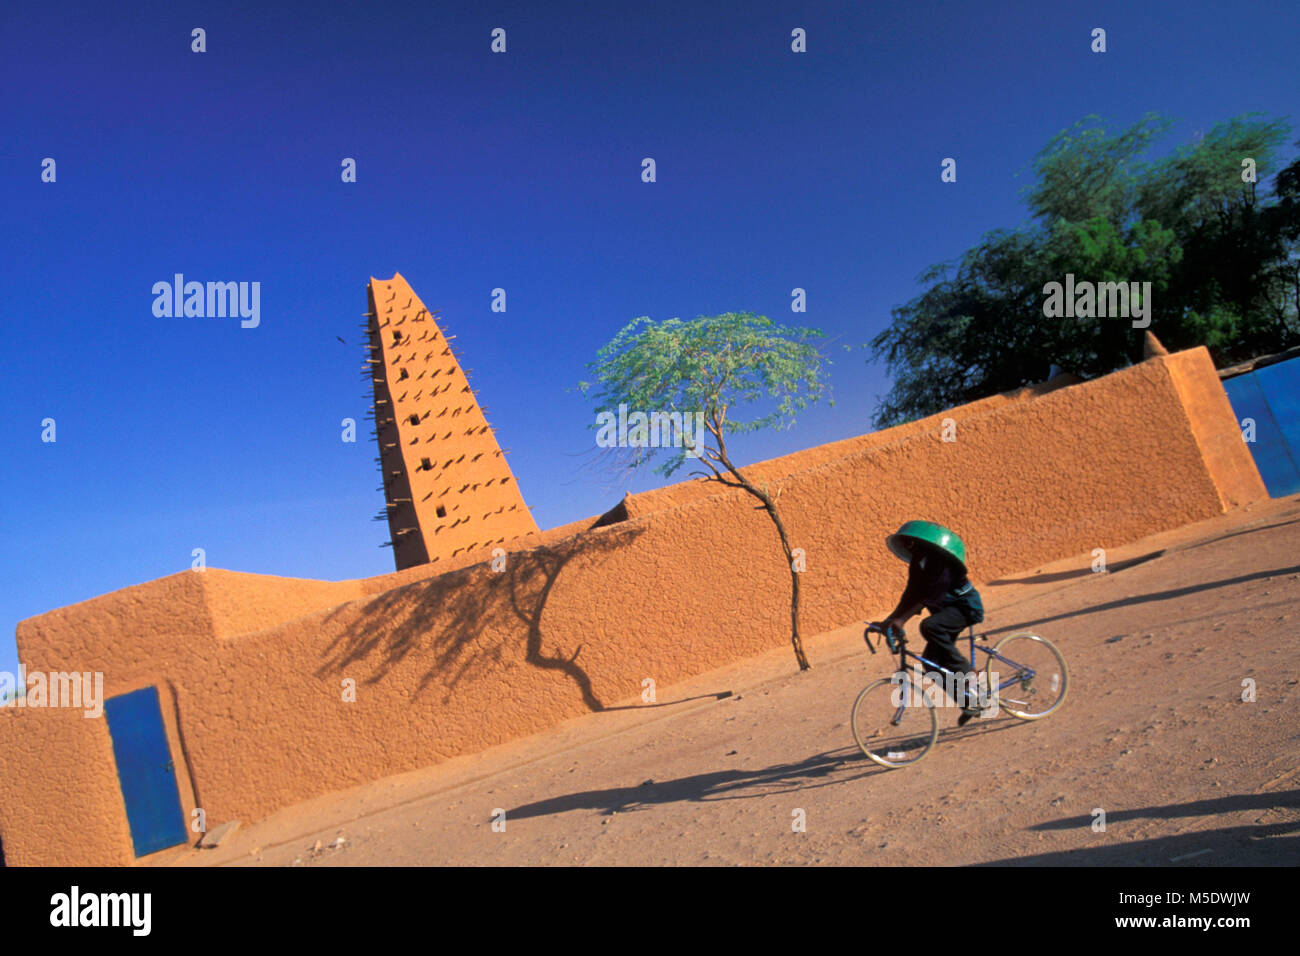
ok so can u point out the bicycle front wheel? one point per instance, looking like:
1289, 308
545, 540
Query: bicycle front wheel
1032, 675
894, 722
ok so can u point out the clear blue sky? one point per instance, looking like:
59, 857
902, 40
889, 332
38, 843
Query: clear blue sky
475, 170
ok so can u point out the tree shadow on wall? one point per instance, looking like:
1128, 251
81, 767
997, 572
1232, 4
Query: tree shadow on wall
465, 620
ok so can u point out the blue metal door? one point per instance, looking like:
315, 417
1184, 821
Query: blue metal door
145, 771
1270, 397
1280, 384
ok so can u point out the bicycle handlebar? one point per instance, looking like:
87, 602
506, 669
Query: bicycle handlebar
894, 642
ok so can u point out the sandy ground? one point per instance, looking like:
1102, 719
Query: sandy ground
1154, 732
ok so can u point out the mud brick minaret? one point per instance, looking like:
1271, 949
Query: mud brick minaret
447, 487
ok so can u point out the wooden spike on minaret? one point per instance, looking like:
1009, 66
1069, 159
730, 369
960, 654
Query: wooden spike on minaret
478, 502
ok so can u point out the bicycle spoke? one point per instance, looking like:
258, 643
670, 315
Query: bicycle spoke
1031, 673
892, 723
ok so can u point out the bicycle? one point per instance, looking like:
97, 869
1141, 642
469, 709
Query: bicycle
884, 706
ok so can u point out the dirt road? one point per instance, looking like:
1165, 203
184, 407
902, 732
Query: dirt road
1155, 733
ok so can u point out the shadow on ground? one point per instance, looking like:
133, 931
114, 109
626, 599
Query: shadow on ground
1260, 844
825, 769
717, 695
1168, 595
1118, 566
1196, 808
820, 770
1079, 572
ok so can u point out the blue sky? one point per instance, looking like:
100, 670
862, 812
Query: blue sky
477, 171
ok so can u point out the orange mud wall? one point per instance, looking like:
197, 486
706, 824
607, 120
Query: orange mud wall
453, 663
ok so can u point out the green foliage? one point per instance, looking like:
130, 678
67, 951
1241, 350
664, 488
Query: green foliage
1084, 173
1202, 181
713, 364
1223, 263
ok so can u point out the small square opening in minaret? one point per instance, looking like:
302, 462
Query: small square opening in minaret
448, 501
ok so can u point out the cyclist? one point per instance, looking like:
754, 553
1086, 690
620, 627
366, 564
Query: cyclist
937, 582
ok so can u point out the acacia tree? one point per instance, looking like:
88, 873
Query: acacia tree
708, 368
1222, 257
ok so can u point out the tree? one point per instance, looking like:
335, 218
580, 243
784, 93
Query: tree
1224, 266
1223, 290
712, 366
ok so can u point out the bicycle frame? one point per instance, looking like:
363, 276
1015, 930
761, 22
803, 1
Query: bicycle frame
1022, 673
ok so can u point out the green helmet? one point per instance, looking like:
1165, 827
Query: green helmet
929, 532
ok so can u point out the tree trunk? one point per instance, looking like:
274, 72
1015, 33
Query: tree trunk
770, 506
795, 640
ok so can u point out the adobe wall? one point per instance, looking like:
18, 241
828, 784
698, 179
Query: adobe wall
59, 802
1216, 428
777, 469
454, 663
57, 765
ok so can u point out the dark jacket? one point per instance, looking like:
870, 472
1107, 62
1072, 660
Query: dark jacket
935, 580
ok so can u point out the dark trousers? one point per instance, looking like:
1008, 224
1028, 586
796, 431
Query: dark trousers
941, 631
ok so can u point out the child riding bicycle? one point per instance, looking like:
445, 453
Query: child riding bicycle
937, 582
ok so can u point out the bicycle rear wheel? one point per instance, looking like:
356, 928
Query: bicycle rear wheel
894, 722
1035, 673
